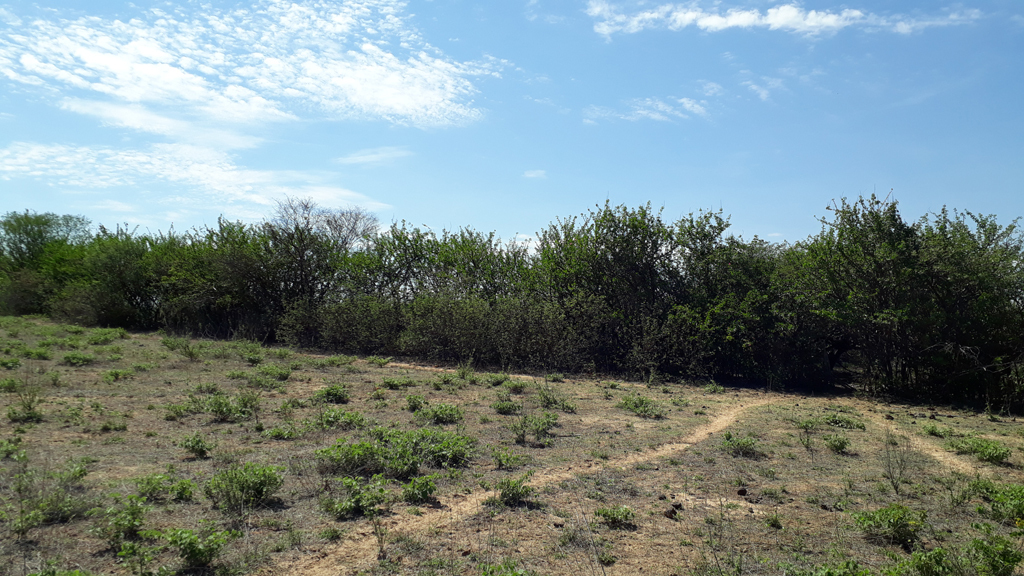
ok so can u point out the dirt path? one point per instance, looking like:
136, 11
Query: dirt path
958, 463
360, 550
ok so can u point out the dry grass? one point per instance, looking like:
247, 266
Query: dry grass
698, 505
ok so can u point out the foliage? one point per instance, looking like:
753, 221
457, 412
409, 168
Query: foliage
893, 524
333, 394
513, 491
737, 446
539, 427
837, 443
642, 406
618, 517
419, 490
363, 497
441, 414
243, 488
985, 450
396, 454
199, 549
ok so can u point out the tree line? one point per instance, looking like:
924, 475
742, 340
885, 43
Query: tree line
932, 308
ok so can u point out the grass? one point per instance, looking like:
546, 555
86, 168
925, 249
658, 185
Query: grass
343, 451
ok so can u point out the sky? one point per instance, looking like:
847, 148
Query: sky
505, 115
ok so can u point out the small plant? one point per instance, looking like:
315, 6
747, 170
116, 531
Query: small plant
122, 521
1005, 502
551, 398
242, 488
985, 450
537, 426
10, 363
713, 388
506, 459
893, 524
837, 443
78, 359
515, 386
504, 404
415, 403
555, 377
26, 408
642, 406
736, 446
334, 394
199, 549
332, 361
466, 372
274, 372
397, 383
842, 421
773, 521
378, 361
441, 414
895, 457
362, 498
419, 490
512, 491
618, 517
935, 430
497, 379
196, 445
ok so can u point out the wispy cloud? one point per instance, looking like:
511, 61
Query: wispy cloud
535, 174
612, 19
764, 86
380, 155
209, 175
658, 109
276, 61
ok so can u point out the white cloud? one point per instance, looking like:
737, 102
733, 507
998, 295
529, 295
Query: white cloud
711, 89
141, 119
211, 175
375, 155
8, 18
535, 174
610, 19
115, 206
761, 92
352, 59
650, 109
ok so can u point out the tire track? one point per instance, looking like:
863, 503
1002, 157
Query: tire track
360, 551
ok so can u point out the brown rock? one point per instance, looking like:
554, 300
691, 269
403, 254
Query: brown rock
741, 492
670, 513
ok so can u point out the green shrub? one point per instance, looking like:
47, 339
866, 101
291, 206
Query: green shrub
618, 517
504, 404
10, 447
415, 403
26, 408
378, 361
122, 521
10, 363
497, 379
397, 383
395, 453
515, 386
506, 459
200, 549
196, 445
36, 354
745, 447
362, 498
334, 394
551, 398
103, 336
243, 488
837, 443
279, 373
111, 376
842, 421
441, 414
934, 430
642, 406
508, 567
78, 359
539, 427
9, 385
1005, 503
985, 450
512, 491
556, 377
893, 524
286, 431
419, 490
713, 388
343, 420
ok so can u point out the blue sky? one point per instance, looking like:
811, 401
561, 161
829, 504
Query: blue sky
505, 115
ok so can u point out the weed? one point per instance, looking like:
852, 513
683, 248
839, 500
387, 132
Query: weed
537, 426
842, 421
642, 406
122, 521
512, 491
773, 521
378, 361
551, 398
196, 445
242, 488
333, 394
415, 403
893, 524
441, 414
362, 498
736, 446
990, 451
199, 549
78, 359
419, 490
556, 377
895, 457
837, 443
713, 388
506, 459
618, 517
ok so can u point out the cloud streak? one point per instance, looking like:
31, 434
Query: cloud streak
358, 59
612, 19
380, 155
211, 173
657, 109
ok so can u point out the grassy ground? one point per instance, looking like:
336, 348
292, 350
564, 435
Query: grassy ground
104, 434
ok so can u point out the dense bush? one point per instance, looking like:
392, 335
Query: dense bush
242, 488
927, 308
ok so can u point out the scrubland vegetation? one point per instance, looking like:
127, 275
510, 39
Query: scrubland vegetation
627, 396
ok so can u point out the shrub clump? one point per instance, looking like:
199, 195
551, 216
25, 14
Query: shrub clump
242, 488
642, 406
985, 450
893, 524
